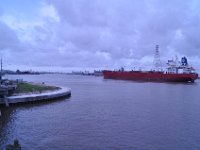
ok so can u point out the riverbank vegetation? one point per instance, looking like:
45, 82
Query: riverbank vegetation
25, 87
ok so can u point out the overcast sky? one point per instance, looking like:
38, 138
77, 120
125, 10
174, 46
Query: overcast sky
97, 34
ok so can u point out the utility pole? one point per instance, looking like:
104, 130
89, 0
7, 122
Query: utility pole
1, 72
1, 66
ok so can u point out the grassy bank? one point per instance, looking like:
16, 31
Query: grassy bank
33, 88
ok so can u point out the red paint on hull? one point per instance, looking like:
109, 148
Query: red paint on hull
149, 76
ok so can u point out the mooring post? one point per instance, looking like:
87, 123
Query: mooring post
6, 101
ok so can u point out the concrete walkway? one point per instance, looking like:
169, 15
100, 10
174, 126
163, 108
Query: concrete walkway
63, 92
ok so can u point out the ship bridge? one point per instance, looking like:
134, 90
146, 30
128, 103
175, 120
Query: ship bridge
179, 67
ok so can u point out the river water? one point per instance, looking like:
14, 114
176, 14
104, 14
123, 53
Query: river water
107, 114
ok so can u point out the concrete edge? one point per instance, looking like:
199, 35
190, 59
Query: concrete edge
63, 92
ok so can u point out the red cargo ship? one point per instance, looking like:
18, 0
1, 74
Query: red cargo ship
150, 76
176, 72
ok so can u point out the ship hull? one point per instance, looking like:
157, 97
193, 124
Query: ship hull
149, 76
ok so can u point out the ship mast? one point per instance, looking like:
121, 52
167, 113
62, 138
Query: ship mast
156, 61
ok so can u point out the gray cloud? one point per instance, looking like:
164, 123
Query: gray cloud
99, 33
8, 38
127, 24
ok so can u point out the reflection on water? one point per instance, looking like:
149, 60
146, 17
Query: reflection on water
8, 131
7, 126
107, 114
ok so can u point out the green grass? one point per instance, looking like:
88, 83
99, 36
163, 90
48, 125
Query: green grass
28, 87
